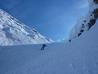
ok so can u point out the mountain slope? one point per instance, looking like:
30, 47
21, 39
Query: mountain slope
77, 57
85, 23
13, 32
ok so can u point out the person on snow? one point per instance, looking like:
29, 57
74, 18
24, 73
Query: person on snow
43, 46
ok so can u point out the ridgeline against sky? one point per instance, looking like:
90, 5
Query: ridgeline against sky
52, 18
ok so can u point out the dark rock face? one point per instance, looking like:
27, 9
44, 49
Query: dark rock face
91, 23
69, 40
95, 12
81, 30
79, 34
96, 1
84, 20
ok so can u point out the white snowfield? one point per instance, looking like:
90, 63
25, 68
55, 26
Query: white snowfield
77, 57
13, 32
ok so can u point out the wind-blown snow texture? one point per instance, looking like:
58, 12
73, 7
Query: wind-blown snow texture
13, 32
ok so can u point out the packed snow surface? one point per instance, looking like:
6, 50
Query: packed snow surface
77, 57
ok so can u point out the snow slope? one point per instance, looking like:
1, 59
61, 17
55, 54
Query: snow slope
85, 23
13, 32
77, 57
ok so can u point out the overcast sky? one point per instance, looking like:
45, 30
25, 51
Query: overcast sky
52, 18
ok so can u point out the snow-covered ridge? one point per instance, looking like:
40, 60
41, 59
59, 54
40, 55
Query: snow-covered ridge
85, 23
14, 32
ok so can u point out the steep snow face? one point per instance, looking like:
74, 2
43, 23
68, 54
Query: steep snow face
13, 32
85, 23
